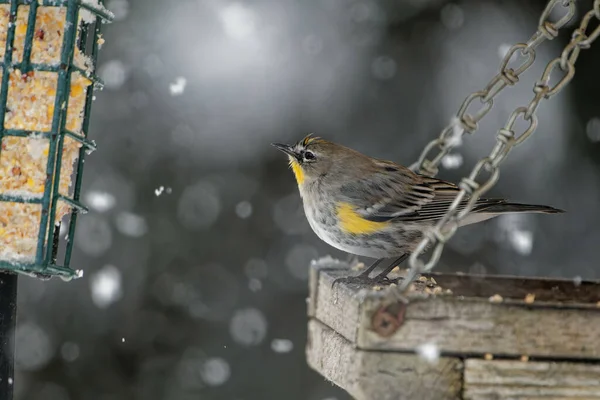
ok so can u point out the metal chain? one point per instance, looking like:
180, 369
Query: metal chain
469, 121
475, 185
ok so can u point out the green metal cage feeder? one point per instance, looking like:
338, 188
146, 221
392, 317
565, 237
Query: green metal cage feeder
47, 81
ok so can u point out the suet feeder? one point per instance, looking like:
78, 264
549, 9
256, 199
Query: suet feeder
48, 52
49, 49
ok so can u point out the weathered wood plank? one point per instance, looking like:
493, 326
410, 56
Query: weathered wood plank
563, 291
324, 264
563, 321
515, 380
337, 307
475, 326
370, 375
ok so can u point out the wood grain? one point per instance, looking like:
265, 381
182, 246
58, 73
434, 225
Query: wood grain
370, 375
466, 324
515, 380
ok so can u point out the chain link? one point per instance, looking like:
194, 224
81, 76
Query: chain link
476, 184
507, 76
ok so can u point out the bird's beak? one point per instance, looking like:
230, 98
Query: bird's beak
287, 149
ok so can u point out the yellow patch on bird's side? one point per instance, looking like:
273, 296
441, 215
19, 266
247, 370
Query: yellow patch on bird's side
352, 222
297, 170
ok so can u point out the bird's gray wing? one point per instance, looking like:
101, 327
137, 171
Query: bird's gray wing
393, 192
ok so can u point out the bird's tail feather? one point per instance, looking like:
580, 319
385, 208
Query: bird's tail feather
516, 208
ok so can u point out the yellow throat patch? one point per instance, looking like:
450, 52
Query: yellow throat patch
297, 171
351, 222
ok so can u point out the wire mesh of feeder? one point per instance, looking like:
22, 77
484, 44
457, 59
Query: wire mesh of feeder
48, 50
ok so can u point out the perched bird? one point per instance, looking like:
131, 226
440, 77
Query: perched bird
376, 208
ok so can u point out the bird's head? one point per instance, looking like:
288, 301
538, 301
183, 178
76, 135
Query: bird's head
313, 158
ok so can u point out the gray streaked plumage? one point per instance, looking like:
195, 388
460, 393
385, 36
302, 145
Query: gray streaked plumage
405, 204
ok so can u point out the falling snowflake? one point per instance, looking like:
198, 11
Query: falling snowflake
106, 286
69, 351
430, 352
238, 21
215, 371
503, 50
93, 235
282, 345
593, 129
299, 258
130, 224
254, 285
35, 347
243, 209
100, 201
120, 8
178, 87
199, 206
452, 161
522, 241
114, 73
248, 327
455, 139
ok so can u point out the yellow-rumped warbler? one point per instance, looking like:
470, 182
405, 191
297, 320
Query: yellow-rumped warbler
376, 208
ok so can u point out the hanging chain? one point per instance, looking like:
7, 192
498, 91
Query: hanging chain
475, 185
468, 121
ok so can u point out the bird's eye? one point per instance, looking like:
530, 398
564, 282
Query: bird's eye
308, 155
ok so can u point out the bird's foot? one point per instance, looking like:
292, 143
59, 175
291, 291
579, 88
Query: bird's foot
363, 280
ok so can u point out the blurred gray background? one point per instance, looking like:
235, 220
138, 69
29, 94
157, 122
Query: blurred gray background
196, 251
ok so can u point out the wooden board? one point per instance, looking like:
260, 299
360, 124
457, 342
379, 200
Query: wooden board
371, 375
563, 322
515, 380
